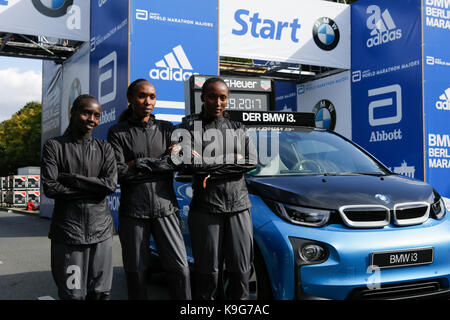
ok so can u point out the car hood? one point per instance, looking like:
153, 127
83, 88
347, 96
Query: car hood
332, 192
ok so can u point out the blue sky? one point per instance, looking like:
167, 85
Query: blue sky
20, 82
21, 63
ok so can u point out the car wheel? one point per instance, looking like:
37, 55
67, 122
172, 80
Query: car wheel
260, 288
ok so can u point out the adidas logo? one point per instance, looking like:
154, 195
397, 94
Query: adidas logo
444, 102
382, 26
172, 66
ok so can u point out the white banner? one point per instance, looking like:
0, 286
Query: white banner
65, 19
301, 31
329, 99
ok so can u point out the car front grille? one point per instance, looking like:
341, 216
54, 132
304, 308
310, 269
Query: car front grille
378, 216
406, 214
365, 216
409, 290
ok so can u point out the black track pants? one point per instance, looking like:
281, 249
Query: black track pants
82, 271
135, 239
219, 238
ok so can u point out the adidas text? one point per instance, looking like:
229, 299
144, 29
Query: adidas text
384, 37
170, 74
443, 105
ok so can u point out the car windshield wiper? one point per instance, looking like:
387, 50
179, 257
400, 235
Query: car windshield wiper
353, 173
340, 174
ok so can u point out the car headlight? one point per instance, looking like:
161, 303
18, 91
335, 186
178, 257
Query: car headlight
438, 209
300, 215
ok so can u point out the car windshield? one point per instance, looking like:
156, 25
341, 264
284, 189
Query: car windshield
304, 151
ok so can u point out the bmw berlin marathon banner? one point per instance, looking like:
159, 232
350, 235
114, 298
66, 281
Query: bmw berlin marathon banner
169, 42
65, 19
284, 31
386, 83
436, 55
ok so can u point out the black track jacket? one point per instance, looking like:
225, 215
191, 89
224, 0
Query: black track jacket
78, 172
147, 186
225, 190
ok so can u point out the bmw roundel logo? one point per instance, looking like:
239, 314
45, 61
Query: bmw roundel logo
325, 114
326, 33
383, 198
52, 8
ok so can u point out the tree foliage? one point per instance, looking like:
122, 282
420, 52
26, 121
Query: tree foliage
20, 139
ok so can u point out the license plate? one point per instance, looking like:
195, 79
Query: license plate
402, 258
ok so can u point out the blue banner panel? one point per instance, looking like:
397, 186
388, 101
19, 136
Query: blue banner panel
169, 42
285, 95
386, 83
436, 71
108, 74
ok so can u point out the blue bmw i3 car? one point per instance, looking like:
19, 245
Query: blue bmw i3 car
332, 222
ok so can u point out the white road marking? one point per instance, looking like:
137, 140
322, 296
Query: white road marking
46, 298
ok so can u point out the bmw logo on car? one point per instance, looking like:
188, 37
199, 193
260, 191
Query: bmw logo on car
383, 198
52, 8
326, 33
325, 114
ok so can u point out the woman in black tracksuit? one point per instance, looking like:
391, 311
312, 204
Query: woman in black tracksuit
78, 171
219, 219
148, 206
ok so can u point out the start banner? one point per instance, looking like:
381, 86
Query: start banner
302, 31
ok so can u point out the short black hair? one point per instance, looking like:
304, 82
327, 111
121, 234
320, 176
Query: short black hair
134, 84
130, 92
78, 102
210, 81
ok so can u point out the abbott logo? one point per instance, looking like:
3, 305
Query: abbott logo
110, 73
382, 26
172, 66
385, 103
444, 102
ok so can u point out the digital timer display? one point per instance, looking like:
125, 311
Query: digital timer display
242, 101
245, 93
248, 101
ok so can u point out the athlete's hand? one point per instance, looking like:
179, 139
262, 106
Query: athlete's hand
174, 149
196, 154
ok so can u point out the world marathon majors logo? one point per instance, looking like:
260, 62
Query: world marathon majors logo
325, 114
326, 33
52, 8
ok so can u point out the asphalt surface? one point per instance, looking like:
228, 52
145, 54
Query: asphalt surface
25, 272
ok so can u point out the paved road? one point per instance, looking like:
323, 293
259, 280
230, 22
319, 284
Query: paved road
25, 262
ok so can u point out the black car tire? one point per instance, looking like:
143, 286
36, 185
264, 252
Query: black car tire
263, 286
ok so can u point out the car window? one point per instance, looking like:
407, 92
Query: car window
310, 152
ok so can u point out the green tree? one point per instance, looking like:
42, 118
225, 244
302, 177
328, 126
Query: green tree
20, 139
